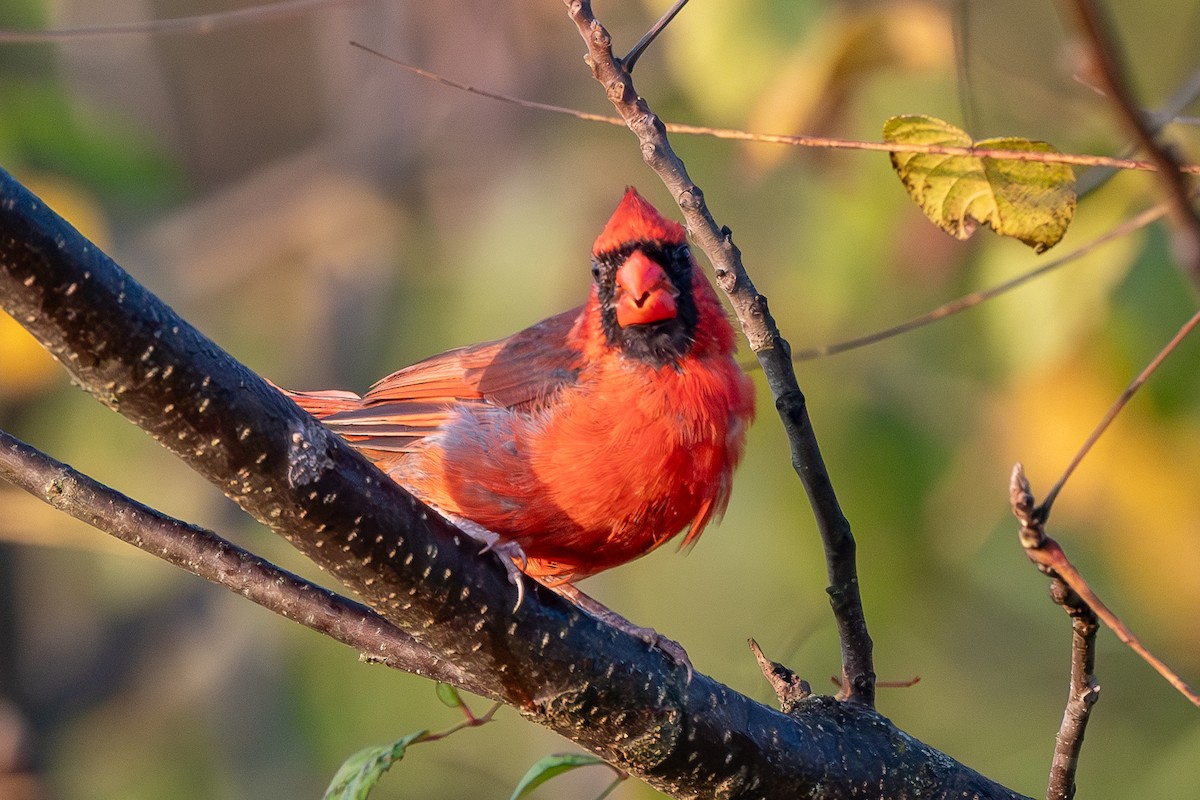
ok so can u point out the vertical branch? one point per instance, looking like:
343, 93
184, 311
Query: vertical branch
1084, 692
773, 351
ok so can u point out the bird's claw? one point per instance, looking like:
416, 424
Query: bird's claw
671, 648
511, 554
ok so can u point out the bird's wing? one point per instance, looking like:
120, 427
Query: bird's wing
521, 373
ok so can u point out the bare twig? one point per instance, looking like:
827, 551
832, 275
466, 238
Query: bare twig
1115, 409
648, 38
773, 351
790, 689
794, 140
1109, 73
1049, 557
975, 298
194, 25
204, 553
470, 720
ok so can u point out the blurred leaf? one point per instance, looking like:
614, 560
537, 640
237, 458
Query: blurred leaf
47, 130
1027, 200
24, 366
449, 695
812, 87
551, 767
360, 772
1072, 305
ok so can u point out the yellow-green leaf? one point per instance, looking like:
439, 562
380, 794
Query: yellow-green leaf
1031, 201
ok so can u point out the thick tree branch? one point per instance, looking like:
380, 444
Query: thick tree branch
595, 685
209, 556
773, 351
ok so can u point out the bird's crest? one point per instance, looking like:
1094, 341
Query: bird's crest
635, 220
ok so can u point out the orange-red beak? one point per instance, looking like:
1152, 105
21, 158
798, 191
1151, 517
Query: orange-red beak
644, 292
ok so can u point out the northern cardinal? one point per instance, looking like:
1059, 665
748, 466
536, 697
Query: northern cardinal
586, 440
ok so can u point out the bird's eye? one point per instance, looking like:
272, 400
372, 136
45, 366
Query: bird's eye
595, 270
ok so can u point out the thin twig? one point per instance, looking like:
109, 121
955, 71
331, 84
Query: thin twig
195, 25
649, 36
975, 298
1115, 409
1110, 75
207, 555
790, 689
773, 351
795, 140
1049, 557
470, 721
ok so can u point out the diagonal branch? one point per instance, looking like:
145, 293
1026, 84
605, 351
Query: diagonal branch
209, 556
975, 298
773, 351
1117, 406
649, 36
596, 685
1110, 76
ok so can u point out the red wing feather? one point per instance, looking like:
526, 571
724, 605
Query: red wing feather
520, 373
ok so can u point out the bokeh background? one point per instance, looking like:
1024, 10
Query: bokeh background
328, 218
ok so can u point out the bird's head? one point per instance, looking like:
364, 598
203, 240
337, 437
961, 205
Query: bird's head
644, 283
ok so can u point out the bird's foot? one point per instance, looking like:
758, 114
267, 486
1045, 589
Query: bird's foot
654, 639
511, 554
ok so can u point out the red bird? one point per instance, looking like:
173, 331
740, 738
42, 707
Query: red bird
586, 440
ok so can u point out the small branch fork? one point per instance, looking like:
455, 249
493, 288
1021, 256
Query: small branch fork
648, 38
1068, 588
1041, 549
1049, 557
773, 351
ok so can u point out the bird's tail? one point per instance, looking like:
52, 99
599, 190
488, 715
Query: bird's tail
323, 404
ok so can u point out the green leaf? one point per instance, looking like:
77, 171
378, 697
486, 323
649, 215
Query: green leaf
449, 695
1030, 201
360, 772
551, 767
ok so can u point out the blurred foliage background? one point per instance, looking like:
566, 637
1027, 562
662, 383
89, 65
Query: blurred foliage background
328, 218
